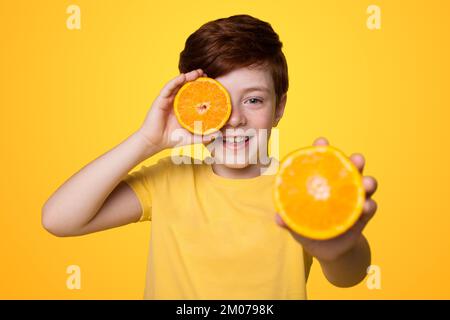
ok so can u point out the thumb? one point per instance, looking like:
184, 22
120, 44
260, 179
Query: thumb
280, 221
321, 141
211, 137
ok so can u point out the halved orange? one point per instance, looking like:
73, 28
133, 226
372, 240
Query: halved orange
202, 106
318, 192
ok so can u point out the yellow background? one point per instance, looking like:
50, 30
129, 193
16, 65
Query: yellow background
67, 96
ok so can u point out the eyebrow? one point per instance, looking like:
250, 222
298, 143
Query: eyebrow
256, 89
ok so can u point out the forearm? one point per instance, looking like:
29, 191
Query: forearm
78, 200
350, 268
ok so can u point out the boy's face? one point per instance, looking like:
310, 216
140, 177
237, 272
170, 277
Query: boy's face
245, 136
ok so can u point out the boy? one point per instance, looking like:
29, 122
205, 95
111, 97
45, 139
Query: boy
214, 230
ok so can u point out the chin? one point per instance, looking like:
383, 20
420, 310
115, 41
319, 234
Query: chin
235, 162
237, 159
236, 165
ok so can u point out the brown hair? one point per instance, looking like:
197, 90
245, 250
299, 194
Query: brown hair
223, 45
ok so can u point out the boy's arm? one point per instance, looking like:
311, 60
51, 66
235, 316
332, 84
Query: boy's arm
350, 268
95, 198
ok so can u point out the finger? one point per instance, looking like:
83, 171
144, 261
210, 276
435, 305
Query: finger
191, 76
370, 185
320, 142
211, 137
369, 209
358, 160
207, 137
172, 85
280, 221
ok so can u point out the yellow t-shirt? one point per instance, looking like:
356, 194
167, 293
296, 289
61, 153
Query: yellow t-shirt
215, 238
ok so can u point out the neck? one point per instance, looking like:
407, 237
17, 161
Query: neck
250, 171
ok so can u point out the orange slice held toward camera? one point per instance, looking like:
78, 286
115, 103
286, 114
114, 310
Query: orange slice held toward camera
202, 106
319, 192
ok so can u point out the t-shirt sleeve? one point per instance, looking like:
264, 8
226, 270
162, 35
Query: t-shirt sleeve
142, 182
137, 180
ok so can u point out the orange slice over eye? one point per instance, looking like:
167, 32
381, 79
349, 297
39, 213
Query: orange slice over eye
202, 106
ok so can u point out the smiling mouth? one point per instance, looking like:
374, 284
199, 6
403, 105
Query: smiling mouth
235, 142
235, 139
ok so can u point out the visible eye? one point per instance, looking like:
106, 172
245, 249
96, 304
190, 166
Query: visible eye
254, 100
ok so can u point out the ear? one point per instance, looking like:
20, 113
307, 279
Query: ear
279, 110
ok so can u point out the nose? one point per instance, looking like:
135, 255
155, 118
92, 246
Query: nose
237, 117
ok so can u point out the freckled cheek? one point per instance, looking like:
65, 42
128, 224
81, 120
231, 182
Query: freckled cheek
260, 119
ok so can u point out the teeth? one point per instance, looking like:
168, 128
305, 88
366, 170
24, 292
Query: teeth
238, 139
